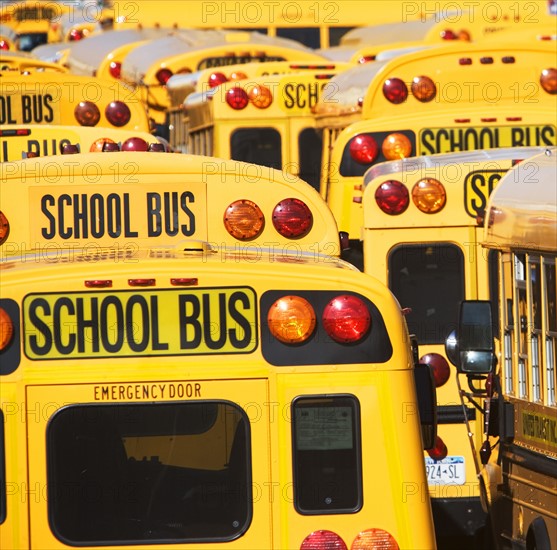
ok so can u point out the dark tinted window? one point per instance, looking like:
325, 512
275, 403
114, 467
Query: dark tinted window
27, 42
310, 151
428, 279
308, 36
257, 145
2, 470
147, 472
493, 276
336, 33
327, 456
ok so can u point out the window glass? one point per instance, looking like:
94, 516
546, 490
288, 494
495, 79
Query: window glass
257, 145
310, 149
428, 279
336, 33
326, 452
493, 276
308, 36
551, 285
144, 472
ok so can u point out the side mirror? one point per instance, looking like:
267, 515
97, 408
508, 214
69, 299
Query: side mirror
472, 350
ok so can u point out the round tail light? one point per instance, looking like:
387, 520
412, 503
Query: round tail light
396, 146
392, 197
292, 218
237, 98
4, 227
87, 113
4, 45
157, 148
135, 144
291, 320
6, 329
395, 90
244, 220
448, 34
363, 149
115, 69
429, 195
376, 539
323, 540
439, 451
548, 80
163, 75
346, 319
103, 144
75, 35
238, 75
70, 149
118, 113
439, 367
216, 79
423, 88
260, 96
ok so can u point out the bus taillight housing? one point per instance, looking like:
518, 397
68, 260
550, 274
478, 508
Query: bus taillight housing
115, 69
439, 367
323, 540
395, 90
4, 227
6, 329
4, 45
374, 538
429, 195
396, 146
244, 220
423, 88
439, 451
548, 80
87, 113
117, 113
392, 197
363, 149
292, 218
237, 98
135, 144
163, 76
216, 79
346, 319
260, 96
291, 319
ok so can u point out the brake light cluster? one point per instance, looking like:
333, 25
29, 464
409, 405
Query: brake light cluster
364, 148
217, 78
244, 220
370, 538
292, 320
117, 113
258, 95
449, 34
428, 195
77, 34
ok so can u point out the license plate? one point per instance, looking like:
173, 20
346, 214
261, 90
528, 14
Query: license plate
449, 471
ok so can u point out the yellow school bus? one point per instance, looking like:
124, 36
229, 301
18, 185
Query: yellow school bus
265, 120
57, 98
42, 140
248, 388
517, 378
22, 61
441, 100
180, 86
421, 237
150, 71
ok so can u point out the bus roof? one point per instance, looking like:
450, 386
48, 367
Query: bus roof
522, 211
163, 200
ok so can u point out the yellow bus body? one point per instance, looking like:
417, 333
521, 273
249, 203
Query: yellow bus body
20, 61
200, 194
42, 140
234, 49
520, 419
482, 78
52, 98
276, 128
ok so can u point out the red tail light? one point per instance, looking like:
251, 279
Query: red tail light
363, 149
6, 329
216, 79
115, 69
346, 319
392, 197
4, 227
292, 218
70, 149
75, 35
395, 90
548, 80
135, 144
439, 367
323, 540
4, 45
439, 451
237, 98
87, 113
118, 113
448, 34
366, 59
163, 75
